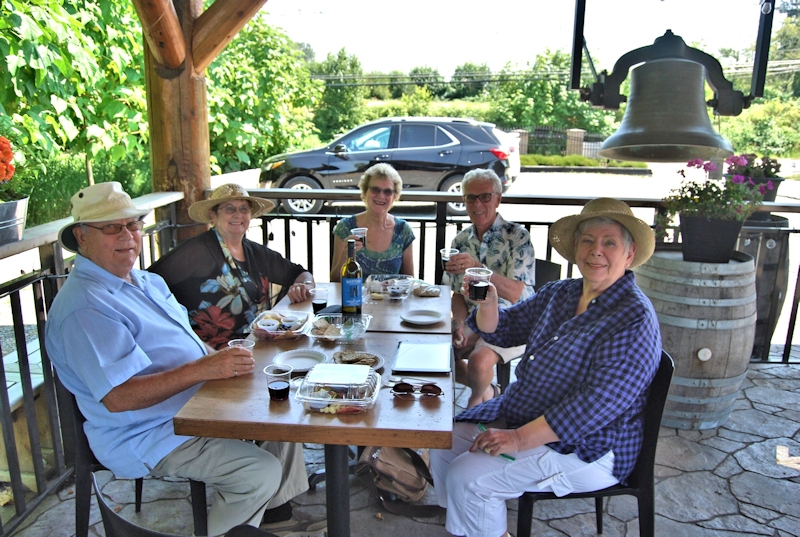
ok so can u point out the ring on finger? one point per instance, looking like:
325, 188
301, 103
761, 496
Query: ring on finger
235, 373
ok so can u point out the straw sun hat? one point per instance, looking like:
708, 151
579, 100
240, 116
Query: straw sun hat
98, 203
562, 232
198, 211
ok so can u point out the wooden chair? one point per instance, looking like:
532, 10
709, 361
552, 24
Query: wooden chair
85, 461
116, 526
640, 482
545, 271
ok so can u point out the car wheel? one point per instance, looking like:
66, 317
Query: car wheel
452, 185
302, 206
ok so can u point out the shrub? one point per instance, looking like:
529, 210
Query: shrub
576, 161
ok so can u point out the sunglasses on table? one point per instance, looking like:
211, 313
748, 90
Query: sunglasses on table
377, 190
114, 229
405, 388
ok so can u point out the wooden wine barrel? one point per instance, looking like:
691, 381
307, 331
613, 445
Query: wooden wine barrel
707, 314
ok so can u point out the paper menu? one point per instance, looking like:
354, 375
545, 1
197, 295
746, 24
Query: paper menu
423, 357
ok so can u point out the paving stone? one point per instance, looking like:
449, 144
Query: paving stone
553, 509
123, 490
774, 397
759, 514
723, 444
683, 454
586, 526
788, 525
538, 528
761, 458
624, 508
696, 436
368, 523
793, 415
737, 436
742, 404
759, 423
661, 472
767, 408
779, 384
695, 496
779, 494
168, 516
670, 528
728, 468
737, 523
57, 521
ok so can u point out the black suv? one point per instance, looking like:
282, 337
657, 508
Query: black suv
429, 153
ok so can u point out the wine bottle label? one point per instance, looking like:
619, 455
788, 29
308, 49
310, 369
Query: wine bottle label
351, 292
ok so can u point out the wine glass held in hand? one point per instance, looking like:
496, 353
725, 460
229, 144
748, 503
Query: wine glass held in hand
478, 281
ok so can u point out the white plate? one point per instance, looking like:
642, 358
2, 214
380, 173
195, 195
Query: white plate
422, 317
301, 360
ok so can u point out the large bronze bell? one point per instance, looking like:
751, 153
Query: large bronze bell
666, 119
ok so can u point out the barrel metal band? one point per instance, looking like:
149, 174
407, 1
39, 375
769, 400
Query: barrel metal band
706, 324
720, 302
703, 400
709, 383
748, 279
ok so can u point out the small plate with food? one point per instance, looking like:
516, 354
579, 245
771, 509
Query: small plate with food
358, 357
272, 325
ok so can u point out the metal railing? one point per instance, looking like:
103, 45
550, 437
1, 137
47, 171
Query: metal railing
49, 461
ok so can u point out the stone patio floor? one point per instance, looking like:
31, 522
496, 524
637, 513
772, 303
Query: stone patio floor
742, 478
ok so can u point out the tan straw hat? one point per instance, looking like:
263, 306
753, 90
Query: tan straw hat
98, 203
562, 232
198, 211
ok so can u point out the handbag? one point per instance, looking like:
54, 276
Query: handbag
400, 473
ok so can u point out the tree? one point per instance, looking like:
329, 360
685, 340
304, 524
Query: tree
378, 86
469, 80
341, 107
429, 78
786, 46
260, 98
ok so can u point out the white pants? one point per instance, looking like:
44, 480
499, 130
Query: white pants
246, 478
474, 487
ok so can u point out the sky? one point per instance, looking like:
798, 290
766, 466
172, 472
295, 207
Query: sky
403, 34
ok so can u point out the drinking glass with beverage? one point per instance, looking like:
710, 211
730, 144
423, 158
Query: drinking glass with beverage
319, 299
361, 234
478, 281
244, 343
446, 254
278, 378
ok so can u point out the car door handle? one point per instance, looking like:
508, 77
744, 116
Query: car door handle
382, 157
443, 153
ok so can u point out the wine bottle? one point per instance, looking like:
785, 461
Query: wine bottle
351, 282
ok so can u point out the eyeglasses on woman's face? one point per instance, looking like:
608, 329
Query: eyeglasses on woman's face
388, 192
405, 388
486, 197
115, 229
232, 209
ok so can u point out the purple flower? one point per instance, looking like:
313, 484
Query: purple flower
750, 181
695, 163
762, 189
737, 179
709, 167
770, 186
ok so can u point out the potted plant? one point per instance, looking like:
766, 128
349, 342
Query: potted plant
13, 207
763, 171
711, 211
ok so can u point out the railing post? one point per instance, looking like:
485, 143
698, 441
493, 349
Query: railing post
441, 225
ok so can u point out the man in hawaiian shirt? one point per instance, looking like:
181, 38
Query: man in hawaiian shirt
506, 249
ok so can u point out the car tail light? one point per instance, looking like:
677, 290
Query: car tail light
499, 153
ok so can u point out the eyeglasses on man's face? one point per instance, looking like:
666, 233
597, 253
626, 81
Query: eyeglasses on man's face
232, 209
377, 190
486, 197
115, 229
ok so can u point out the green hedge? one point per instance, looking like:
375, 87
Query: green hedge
65, 175
576, 161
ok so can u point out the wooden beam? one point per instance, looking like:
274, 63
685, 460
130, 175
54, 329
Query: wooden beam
217, 26
162, 30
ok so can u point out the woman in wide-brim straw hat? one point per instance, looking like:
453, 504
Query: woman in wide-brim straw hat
221, 277
572, 422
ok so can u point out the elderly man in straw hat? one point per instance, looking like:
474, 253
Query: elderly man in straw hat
572, 422
123, 346
221, 277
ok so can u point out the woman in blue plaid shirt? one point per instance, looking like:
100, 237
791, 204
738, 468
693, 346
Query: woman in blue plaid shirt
572, 422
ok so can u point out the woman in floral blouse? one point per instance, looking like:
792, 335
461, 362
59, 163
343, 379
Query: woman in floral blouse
224, 279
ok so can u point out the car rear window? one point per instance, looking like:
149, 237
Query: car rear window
476, 132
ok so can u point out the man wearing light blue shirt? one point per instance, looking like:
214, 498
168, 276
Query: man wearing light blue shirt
123, 346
